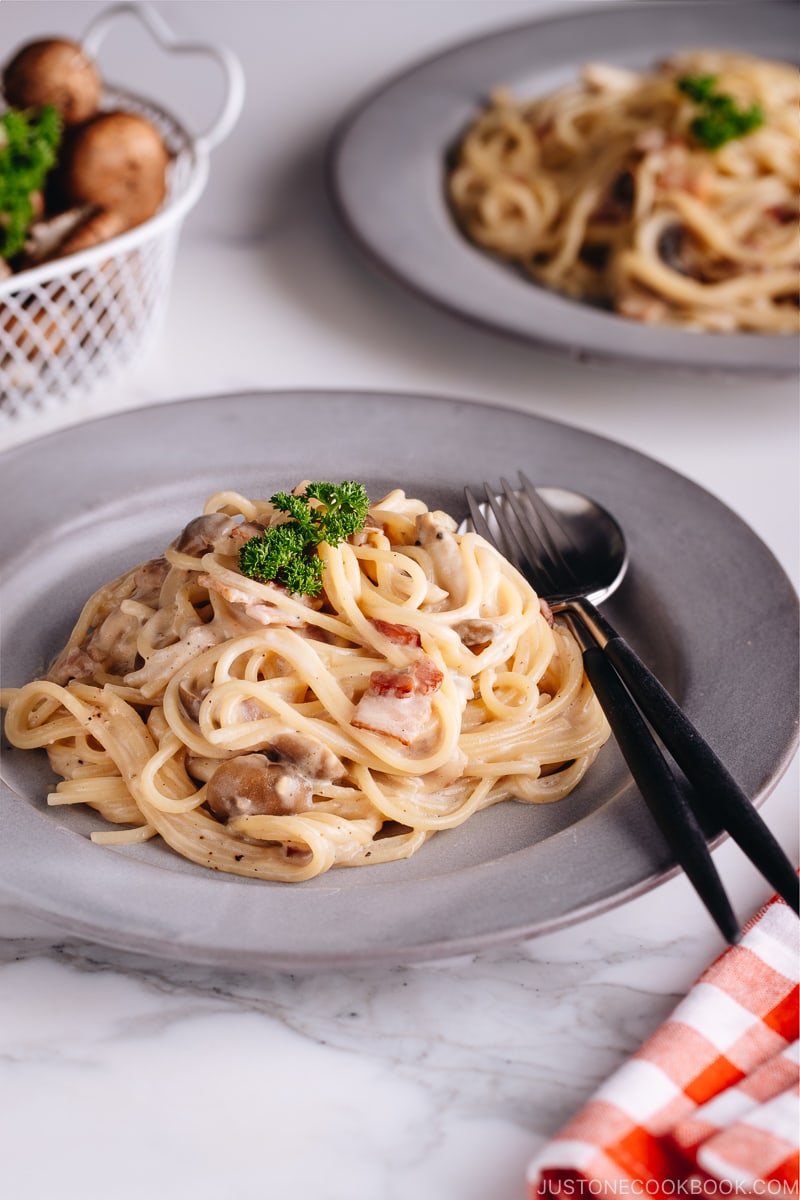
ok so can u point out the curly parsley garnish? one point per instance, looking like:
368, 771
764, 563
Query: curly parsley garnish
286, 553
28, 148
720, 119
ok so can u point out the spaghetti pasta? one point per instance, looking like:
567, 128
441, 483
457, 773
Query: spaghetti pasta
604, 191
272, 735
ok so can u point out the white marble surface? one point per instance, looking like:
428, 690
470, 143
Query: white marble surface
121, 1077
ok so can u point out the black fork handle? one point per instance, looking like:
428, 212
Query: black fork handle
716, 793
659, 788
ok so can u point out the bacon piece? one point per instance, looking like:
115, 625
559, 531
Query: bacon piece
418, 678
401, 635
397, 702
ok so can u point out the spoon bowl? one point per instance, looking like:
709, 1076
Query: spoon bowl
592, 551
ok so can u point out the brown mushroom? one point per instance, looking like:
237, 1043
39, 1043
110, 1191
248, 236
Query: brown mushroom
477, 631
149, 580
53, 71
308, 754
251, 785
117, 162
113, 644
47, 235
203, 533
99, 227
191, 697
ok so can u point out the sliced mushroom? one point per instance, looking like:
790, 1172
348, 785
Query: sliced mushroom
200, 767
202, 534
166, 660
112, 645
477, 631
215, 531
436, 534
309, 755
149, 580
191, 697
250, 785
671, 246
74, 663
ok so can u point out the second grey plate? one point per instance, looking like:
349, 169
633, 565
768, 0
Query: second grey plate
387, 173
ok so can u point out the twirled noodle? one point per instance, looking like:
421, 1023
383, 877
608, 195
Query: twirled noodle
264, 734
601, 192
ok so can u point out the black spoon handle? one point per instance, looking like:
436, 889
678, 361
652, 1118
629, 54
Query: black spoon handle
716, 793
659, 788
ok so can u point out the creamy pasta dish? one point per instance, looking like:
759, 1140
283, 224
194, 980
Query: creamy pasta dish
669, 196
275, 733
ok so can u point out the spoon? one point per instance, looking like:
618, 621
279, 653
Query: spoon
575, 553
582, 552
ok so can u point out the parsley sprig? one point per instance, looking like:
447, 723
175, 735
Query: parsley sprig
29, 145
286, 553
720, 119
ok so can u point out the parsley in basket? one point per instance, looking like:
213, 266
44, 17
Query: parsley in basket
29, 145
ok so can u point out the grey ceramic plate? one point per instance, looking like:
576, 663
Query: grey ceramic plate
104, 495
387, 172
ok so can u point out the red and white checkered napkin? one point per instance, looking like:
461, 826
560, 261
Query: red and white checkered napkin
709, 1103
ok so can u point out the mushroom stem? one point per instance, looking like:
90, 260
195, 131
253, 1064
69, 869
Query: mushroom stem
101, 226
45, 237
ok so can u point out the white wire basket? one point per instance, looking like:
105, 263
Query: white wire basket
67, 324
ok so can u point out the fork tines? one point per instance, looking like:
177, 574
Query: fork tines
525, 530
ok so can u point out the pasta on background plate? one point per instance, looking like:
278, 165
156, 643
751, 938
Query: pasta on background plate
669, 196
269, 732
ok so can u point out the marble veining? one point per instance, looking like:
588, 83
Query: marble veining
492, 1044
436, 1081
